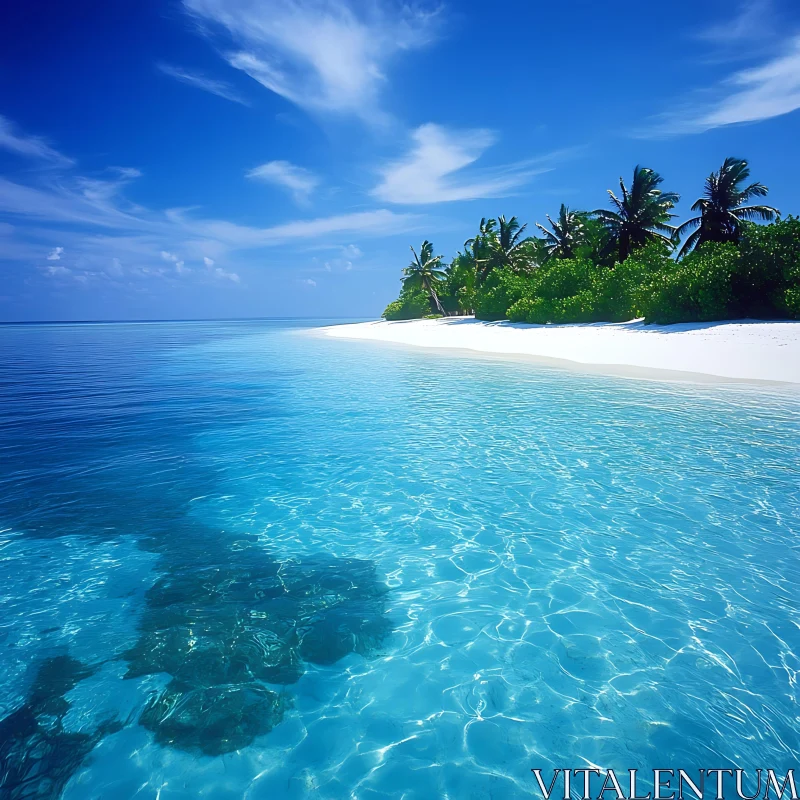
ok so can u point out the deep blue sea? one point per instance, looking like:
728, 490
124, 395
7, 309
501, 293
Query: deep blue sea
243, 560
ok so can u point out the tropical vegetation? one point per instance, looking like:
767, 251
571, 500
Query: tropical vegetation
722, 208
733, 259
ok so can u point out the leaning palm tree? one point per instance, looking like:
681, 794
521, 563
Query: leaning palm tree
425, 272
565, 234
642, 215
722, 207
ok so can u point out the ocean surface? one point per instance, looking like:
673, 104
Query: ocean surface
242, 560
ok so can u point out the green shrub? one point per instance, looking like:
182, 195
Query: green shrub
636, 276
769, 270
501, 289
696, 289
412, 304
541, 310
788, 301
759, 277
578, 290
562, 278
457, 294
520, 310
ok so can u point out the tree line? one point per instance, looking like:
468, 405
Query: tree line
622, 262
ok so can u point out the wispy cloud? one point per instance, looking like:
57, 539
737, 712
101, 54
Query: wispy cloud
227, 276
352, 251
232, 235
200, 81
749, 95
180, 265
754, 20
429, 172
299, 181
323, 55
72, 200
374, 223
113, 240
128, 173
218, 272
58, 270
30, 146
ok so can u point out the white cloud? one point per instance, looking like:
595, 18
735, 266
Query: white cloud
754, 20
218, 272
31, 146
351, 251
374, 222
73, 203
141, 231
309, 282
180, 264
127, 172
55, 254
300, 182
337, 264
750, 95
93, 221
324, 55
232, 235
426, 174
199, 81
229, 276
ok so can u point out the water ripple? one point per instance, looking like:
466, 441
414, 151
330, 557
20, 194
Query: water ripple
578, 569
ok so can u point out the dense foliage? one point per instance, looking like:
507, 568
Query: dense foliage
620, 264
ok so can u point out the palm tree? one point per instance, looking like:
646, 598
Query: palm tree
509, 240
485, 233
425, 272
641, 216
479, 248
565, 235
498, 243
722, 208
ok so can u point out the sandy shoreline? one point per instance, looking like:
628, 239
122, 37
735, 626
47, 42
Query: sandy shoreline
740, 350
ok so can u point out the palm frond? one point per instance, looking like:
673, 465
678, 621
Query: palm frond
766, 213
690, 244
685, 226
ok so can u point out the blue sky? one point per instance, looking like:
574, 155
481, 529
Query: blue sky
235, 158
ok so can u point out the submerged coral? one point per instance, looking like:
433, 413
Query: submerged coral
37, 755
223, 621
214, 720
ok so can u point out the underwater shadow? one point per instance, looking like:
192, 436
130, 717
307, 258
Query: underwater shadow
37, 754
224, 620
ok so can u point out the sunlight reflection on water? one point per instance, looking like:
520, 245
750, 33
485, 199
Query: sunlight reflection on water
510, 567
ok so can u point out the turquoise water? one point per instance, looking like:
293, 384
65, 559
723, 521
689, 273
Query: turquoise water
239, 560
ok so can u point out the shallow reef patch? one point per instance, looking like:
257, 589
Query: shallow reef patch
37, 755
226, 619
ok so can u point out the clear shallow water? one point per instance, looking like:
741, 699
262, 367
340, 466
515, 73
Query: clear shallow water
238, 560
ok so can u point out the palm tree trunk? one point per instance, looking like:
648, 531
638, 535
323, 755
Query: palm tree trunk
434, 299
437, 303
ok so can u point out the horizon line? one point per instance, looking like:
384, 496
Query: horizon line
154, 321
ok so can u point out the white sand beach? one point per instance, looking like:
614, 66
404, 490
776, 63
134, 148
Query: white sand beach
739, 350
